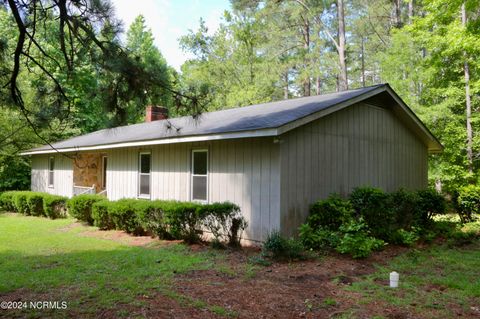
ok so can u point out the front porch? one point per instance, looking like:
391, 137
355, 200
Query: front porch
89, 173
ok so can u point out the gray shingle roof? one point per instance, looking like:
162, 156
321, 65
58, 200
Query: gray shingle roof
249, 118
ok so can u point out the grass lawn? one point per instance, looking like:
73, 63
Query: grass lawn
45, 262
54, 260
437, 282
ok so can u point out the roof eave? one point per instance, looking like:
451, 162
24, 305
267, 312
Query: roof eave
171, 140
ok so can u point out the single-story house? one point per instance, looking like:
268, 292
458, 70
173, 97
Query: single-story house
273, 160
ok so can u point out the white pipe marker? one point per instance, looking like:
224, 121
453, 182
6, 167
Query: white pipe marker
394, 278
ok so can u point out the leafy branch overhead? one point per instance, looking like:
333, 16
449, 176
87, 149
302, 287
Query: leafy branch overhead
62, 42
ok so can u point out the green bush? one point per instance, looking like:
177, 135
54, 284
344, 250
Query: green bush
54, 206
101, 216
406, 237
150, 217
319, 238
224, 221
6, 201
19, 200
183, 220
468, 203
80, 207
330, 213
280, 248
356, 240
405, 205
123, 215
374, 206
430, 204
35, 203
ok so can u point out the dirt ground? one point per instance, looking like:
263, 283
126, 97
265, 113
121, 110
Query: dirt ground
236, 288
306, 289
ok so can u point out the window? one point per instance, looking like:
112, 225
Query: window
199, 175
51, 170
104, 172
144, 175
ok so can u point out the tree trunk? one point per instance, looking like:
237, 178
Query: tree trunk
306, 45
397, 14
438, 185
343, 85
363, 62
318, 86
411, 11
285, 88
468, 102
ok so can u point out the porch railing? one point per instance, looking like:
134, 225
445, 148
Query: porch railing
80, 190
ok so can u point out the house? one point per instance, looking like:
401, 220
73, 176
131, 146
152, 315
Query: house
273, 160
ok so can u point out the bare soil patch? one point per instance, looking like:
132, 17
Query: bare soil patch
121, 237
308, 289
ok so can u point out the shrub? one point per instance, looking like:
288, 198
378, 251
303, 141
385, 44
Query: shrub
320, 238
35, 203
430, 204
461, 238
406, 237
279, 248
330, 213
406, 210
123, 214
101, 216
54, 206
6, 201
373, 205
224, 221
468, 203
20, 204
80, 206
356, 241
183, 220
150, 217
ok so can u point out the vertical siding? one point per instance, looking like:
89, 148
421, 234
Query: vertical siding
362, 145
63, 175
243, 171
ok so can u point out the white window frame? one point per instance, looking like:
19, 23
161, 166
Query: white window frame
192, 175
104, 171
145, 196
51, 183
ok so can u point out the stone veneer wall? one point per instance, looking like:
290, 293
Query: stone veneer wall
87, 170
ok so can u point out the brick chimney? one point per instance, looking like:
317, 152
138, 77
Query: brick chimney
155, 113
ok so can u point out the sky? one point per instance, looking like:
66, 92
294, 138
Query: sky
170, 19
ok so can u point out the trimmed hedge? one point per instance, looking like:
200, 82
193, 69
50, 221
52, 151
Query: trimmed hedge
123, 215
165, 219
183, 220
6, 201
54, 206
224, 221
19, 200
150, 215
34, 203
100, 215
171, 219
80, 206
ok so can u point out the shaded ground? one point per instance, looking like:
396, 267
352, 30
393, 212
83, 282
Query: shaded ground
308, 289
226, 283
